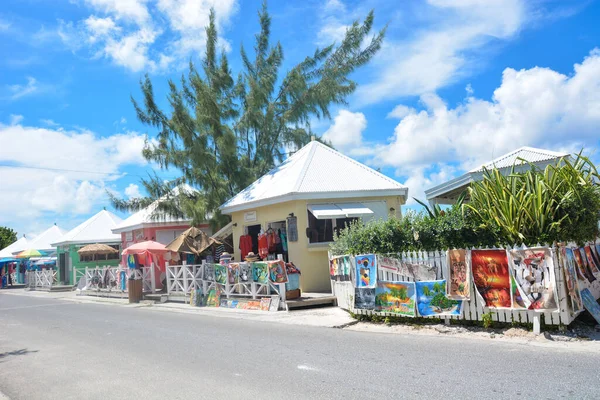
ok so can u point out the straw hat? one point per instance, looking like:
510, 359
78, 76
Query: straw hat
251, 257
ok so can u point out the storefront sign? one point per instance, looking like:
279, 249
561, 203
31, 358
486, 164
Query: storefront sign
129, 236
292, 229
250, 216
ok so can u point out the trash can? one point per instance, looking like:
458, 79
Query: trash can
135, 290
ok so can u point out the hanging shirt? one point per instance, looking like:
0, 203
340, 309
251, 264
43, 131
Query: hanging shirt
284, 243
263, 246
245, 245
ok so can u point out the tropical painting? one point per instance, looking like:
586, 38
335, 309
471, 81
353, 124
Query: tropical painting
533, 271
213, 298
366, 271
245, 272
260, 272
570, 269
396, 298
220, 274
432, 299
590, 303
233, 273
459, 283
491, 277
277, 272
590, 259
364, 298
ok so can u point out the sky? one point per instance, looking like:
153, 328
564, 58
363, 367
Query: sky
456, 83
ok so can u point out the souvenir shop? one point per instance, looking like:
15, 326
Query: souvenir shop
269, 244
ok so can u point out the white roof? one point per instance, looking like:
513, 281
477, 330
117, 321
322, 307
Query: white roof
97, 229
17, 246
315, 172
45, 239
527, 154
145, 216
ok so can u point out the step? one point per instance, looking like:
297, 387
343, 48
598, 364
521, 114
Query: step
310, 302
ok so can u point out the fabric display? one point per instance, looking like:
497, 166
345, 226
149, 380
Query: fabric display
569, 267
219, 251
366, 271
533, 272
220, 274
432, 299
277, 272
491, 277
459, 284
284, 242
395, 298
245, 245
260, 272
339, 268
291, 268
263, 246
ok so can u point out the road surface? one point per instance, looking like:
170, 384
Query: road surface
53, 349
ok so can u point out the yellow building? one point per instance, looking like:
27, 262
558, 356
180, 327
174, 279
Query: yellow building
304, 201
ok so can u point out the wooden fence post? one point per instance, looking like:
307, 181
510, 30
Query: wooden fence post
152, 278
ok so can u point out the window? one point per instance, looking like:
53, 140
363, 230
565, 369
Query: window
102, 257
323, 230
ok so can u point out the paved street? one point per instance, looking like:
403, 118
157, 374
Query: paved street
53, 349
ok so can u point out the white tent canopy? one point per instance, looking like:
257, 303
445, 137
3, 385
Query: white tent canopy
43, 242
17, 246
96, 229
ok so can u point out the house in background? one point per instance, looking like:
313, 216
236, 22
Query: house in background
43, 241
309, 197
96, 229
448, 192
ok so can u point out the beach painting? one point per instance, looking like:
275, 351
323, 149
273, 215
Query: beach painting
570, 270
492, 277
533, 272
260, 272
395, 298
366, 271
459, 273
364, 298
432, 299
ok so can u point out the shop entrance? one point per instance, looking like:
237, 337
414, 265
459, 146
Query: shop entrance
254, 231
279, 233
62, 265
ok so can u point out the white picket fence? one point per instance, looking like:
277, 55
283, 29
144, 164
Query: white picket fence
43, 279
473, 309
108, 279
185, 278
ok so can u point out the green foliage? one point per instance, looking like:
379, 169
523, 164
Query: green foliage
440, 300
487, 320
223, 130
7, 236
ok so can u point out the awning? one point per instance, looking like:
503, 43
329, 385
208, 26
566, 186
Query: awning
339, 210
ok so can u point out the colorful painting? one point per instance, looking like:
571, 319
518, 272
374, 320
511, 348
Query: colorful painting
394, 265
396, 298
581, 261
432, 299
224, 303
570, 269
199, 298
595, 256
590, 303
233, 273
364, 298
209, 272
213, 298
459, 287
492, 277
132, 261
533, 271
366, 271
277, 272
344, 266
517, 299
333, 268
220, 274
590, 259
265, 303
250, 305
422, 272
260, 272
245, 272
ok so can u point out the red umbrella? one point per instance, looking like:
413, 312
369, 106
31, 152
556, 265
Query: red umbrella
147, 246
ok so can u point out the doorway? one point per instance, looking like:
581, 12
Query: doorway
62, 265
254, 231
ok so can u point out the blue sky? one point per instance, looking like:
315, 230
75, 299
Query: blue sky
457, 83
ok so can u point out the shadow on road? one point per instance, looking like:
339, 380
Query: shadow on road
14, 353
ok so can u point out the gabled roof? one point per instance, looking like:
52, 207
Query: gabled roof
521, 156
315, 172
17, 246
96, 229
146, 216
45, 239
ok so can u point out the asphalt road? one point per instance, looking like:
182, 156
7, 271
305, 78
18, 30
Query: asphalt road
51, 349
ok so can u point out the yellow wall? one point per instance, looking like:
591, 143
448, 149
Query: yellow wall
310, 258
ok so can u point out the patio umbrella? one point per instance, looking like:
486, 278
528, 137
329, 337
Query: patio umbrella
192, 241
98, 248
29, 253
147, 246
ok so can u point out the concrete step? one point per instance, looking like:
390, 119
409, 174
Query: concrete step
312, 302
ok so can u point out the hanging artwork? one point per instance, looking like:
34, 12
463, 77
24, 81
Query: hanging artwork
422, 272
220, 274
517, 299
332, 268
345, 266
458, 272
432, 299
209, 272
265, 303
581, 261
394, 265
233, 273
590, 303
277, 272
245, 272
570, 270
132, 261
491, 277
260, 272
590, 259
339, 268
595, 255
364, 298
366, 271
396, 298
533, 271
213, 298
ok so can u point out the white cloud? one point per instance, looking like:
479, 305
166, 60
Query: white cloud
100, 27
400, 111
49, 122
531, 107
346, 130
15, 119
131, 51
132, 191
128, 10
335, 20
21, 90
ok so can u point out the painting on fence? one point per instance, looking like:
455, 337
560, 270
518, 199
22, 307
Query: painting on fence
432, 299
209, 272
345, 265
595, 255
533, 271
277, 272
333, 268
570, 270
517, 299
581, 261
422, 272
233, 273
458, 285
491, 277
213, 298
394, 265
220, 274
245, 272
590, 303
366, 271
364, 298
591, 261
260, 272
395, 297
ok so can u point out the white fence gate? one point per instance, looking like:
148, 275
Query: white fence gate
107, 279
43, 279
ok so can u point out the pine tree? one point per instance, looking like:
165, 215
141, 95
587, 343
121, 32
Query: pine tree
224, 133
